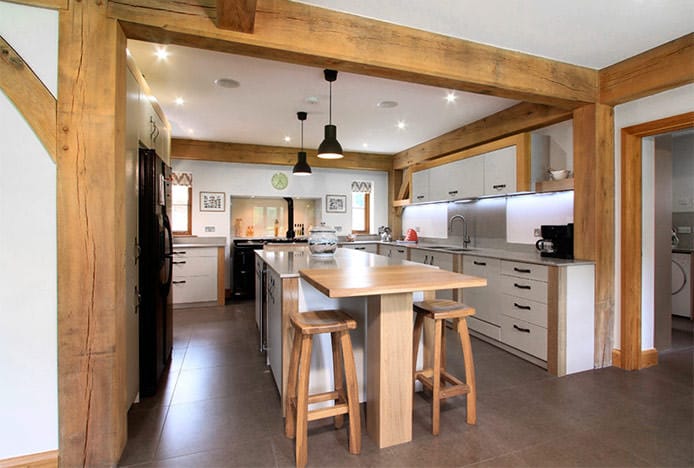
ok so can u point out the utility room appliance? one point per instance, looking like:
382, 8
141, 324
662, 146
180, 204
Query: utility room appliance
557, 241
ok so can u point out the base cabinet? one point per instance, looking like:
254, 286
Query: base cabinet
443, 260
370, 248
195, 274
393, 251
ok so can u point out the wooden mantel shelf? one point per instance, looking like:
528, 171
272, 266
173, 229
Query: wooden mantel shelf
554, 185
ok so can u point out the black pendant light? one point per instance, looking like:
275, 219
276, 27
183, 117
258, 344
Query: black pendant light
301, 167
330, 148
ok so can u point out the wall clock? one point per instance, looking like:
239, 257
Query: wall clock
279, 181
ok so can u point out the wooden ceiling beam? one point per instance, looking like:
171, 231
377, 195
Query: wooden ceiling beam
297, 33
31, 97
664, 67
236, 15
51, 4
278, 155
519, 118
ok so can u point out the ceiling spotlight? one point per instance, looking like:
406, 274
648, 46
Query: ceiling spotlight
287, 139
387, 104
330, 148
365, 145
313, 100
179, 101
227, 83
401, 124
451, 97
301, 168
161, 53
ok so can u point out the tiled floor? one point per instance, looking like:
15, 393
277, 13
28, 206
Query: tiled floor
218, 407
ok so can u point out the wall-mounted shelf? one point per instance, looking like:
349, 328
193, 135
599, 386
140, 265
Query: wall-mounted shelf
554, 185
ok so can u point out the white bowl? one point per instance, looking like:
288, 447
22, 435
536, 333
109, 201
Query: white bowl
559, 175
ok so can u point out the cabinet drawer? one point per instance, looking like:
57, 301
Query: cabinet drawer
523, 309
524, 336
481, 266
194, 289
525, 270
484, 328
186, 252
524, 288
194, 266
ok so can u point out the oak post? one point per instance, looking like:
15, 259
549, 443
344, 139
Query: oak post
91, 236
594, 213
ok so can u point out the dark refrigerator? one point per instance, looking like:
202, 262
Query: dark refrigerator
155, 270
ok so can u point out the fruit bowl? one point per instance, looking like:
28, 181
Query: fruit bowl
559, 174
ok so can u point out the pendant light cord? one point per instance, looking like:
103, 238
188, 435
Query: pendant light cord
330, 112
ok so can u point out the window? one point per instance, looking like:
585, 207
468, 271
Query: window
182, 204
361, 206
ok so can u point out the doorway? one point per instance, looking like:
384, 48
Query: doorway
633, 354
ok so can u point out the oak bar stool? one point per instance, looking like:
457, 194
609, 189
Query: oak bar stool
442, 384
307, 324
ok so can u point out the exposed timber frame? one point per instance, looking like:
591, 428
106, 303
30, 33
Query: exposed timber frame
236, 15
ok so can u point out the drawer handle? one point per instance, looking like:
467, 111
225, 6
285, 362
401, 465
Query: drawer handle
179, 282
515, 304
401, 251
453, 192
521, 286
181, 252
178, 263
524, 330
499, 186
360, 248
521, 270
419, 197
479, 263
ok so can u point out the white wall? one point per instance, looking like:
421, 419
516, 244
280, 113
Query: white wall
246, 180
665, 104
28, 277
647, 242
561, 144
683, 173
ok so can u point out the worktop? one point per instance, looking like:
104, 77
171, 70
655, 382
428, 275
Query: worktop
190, 241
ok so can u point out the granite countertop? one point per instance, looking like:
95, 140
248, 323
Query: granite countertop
288, 263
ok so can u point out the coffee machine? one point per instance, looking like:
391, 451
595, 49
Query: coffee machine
557, 241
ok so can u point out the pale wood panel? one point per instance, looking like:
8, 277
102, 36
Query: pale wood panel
556, 322
35, 460
594, 214
522, 117
630, 354
91, 236
52, 4
31, 97
290, 305
389, 369
664, 67
200, 150
288, 31
236, 15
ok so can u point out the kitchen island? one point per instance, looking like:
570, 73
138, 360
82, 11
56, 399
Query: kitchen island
378, 292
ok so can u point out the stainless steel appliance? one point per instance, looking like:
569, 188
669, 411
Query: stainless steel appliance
155, 270
557, 241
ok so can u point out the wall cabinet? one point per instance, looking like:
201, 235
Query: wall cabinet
420, 186
500, 171
194, 274
456, 180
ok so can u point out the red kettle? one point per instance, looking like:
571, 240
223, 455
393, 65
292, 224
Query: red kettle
411, 235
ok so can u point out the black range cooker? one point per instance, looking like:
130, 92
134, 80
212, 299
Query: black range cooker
243, 264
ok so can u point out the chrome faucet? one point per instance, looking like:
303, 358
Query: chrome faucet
466, 237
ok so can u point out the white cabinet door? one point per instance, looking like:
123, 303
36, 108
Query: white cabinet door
443, 260
194, 274
420, 186
442, 183
370, 248
487, 300
393, 251
274, 332
500, 171
469, 177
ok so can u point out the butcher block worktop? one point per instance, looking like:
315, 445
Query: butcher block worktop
388, 279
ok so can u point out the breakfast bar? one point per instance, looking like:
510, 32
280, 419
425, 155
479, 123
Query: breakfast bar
378, 291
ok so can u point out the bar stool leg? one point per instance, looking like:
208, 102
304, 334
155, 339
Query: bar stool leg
352, 394
302, 402
338, 379
290, 418
436, 379
469, 371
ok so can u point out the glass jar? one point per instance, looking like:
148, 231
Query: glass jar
322, 240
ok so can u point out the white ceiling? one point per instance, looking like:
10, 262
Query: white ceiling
593, 33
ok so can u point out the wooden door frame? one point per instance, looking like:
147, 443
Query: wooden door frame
630, 356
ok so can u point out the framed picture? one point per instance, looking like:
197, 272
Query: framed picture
336, 203
212, 201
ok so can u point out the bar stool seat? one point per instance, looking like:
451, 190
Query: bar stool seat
441, 383
345, 394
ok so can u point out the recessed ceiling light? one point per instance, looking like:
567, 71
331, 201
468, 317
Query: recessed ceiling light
401, 124
451, 97
387, 104
287, 139
365, 145
161, 53
191, 131
311, 100
179, 101
227, 83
